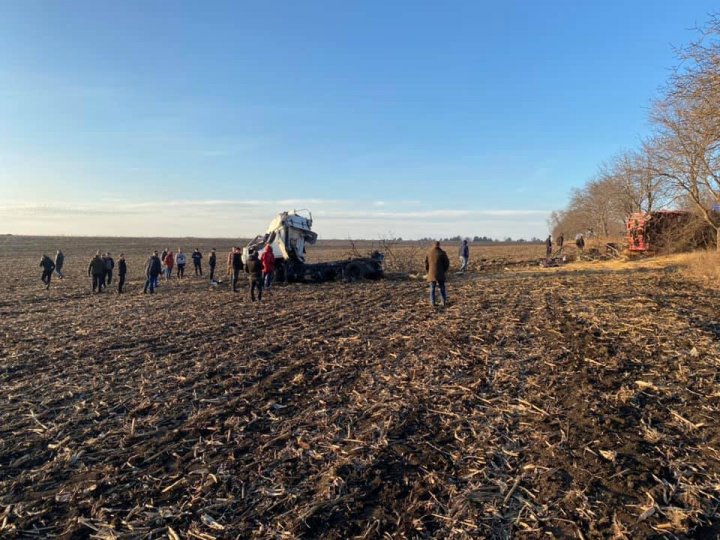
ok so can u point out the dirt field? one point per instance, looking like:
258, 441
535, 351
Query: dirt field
540, 404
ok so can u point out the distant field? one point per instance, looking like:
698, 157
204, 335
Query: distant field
579, 402
406, 256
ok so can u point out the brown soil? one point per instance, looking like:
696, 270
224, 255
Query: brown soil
539, 404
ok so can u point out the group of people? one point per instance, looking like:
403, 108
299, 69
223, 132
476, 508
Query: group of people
560, 240
163, 264
168, 261
259, 266
101, 269
260, 269
49, 266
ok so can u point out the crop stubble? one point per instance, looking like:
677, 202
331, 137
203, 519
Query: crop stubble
578, 404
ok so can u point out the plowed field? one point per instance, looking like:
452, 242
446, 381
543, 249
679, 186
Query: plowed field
538, 404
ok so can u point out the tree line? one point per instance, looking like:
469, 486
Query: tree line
676, 167
483, 240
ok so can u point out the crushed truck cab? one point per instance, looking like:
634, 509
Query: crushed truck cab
289, 234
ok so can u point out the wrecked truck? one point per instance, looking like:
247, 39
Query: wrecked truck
289, 234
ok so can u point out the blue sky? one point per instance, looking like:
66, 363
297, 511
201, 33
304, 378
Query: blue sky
412, 118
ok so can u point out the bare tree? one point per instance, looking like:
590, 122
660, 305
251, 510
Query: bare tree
686, 155
679, 164
640, 188
594, 207
687, 149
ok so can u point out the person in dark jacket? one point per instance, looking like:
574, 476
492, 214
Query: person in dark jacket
436, 265
237, 266
212, 261
548, 246
48, 266
197, 261
59, 262
580, 242
96, 269
561, 241
254, 269
464, 254
122, 270
109, 266
153, 266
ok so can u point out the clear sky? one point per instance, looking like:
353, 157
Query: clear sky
415, 118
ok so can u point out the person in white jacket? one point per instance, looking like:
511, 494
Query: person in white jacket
180, 260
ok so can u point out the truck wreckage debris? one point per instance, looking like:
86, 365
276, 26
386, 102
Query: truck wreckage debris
289, 233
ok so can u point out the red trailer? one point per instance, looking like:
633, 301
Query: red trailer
666, 229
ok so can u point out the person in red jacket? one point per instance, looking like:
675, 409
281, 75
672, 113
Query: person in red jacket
268, 265
169, 263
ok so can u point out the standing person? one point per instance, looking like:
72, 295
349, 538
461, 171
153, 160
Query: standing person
237, 266
163, 268
169, 263
122, 270
197, 262
48, 266
180, 261
580, 242
153, 266
254, 269
109, 266
59, 262
268, 266
436, 265
104, 274
548, 246
464, 254
561, 241
96, 269
212, 261
230, 256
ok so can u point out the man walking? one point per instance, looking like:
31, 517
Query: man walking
109, 266
236, 267
122, 270
48, 266
254, 269
96, 269
268, 265
212, 261
464, 255
197, 262
548, 246
59, 262
436, 265
152, 271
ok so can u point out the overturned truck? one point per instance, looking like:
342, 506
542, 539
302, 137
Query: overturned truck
667, 231
289, 234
